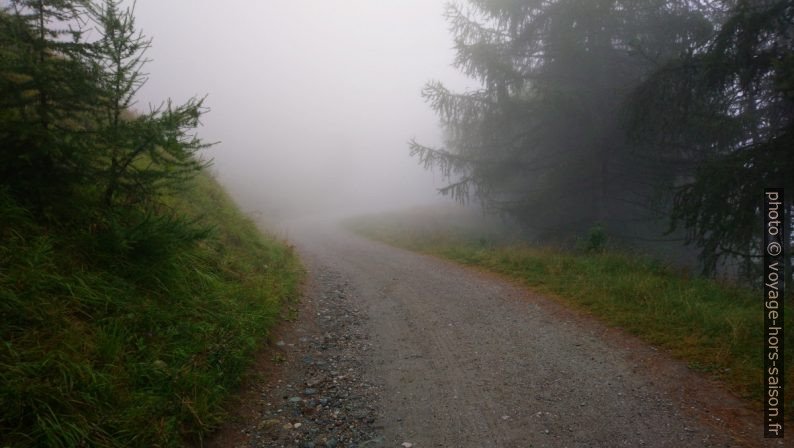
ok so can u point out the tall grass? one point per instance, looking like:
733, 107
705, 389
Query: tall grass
140, 349
715, 326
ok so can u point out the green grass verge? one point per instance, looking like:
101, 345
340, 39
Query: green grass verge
715, 327
143, 355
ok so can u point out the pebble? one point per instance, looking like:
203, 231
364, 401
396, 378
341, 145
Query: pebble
377, 441
330, 403
267, 424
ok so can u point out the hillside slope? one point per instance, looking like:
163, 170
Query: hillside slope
139, 351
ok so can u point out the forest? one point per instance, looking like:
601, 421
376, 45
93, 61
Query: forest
646, 119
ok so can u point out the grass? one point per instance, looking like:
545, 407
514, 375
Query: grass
98, 351
716, 327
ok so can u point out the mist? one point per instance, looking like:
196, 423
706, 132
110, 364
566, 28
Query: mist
310, 280
312, 102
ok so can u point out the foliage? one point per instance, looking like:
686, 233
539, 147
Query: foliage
642, 115
543, 139
46, 88
132, 293
66, 121
133, 350
725, 113
594, 241
151, 150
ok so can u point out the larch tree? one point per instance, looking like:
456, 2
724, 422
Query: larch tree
543, 140
145, 152
47, 93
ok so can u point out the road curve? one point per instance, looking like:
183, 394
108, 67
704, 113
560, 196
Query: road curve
468, 360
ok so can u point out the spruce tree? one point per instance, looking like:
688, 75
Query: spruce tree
725, 112
543, 139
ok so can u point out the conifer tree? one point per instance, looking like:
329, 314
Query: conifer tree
146, 152
46, 94
725, 112
543, 139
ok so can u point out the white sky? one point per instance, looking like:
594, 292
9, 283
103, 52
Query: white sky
313, 100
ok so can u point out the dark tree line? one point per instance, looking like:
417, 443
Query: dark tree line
69, 72
644, 116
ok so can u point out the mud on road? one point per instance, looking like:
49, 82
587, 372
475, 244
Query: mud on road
396, 349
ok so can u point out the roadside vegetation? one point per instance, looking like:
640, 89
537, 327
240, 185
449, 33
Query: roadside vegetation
142, 350
717, 327
623, 124
133, 292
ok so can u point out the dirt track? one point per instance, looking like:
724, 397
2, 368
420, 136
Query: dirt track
449, 357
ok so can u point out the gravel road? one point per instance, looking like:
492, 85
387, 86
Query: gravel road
405, 350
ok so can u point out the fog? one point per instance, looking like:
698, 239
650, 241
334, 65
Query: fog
312, 101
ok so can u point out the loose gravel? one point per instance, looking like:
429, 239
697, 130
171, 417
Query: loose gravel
401, 350
326, 401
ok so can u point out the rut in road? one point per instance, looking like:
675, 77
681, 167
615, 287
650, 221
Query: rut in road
465, 359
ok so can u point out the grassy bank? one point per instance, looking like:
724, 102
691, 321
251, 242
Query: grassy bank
715, 327
140, 351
